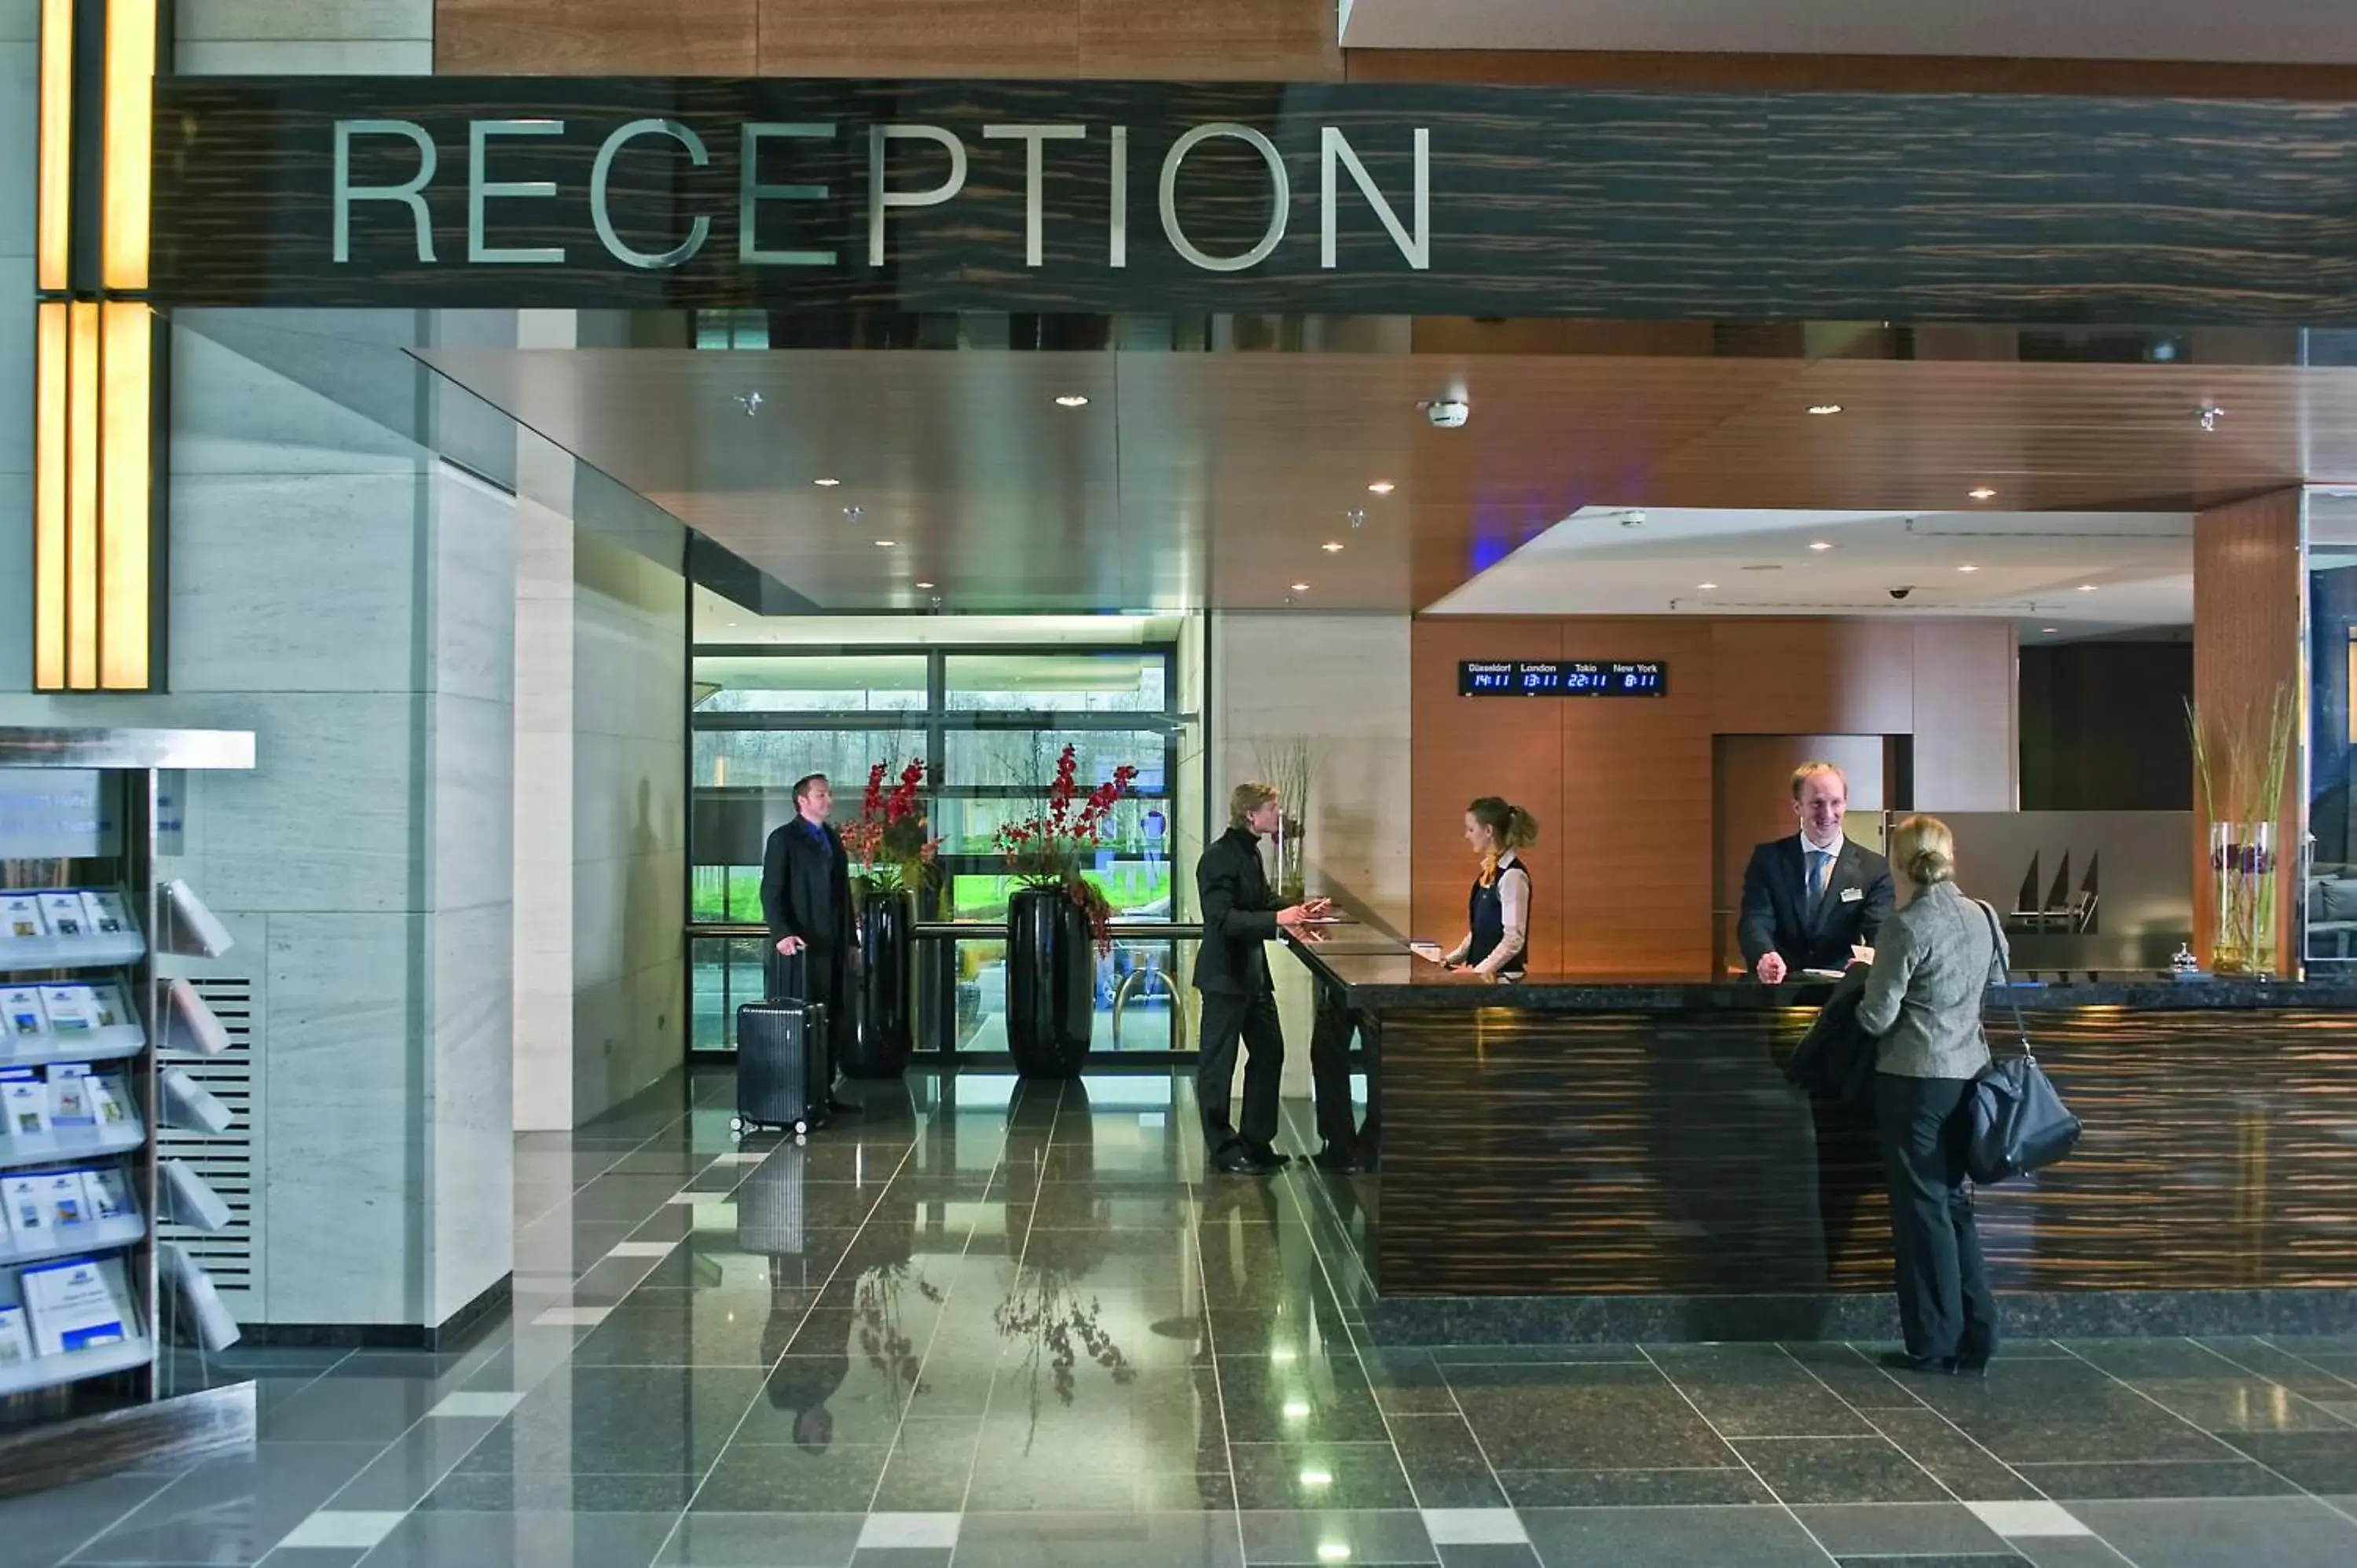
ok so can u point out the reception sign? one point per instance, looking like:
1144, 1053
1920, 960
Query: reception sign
1116, 197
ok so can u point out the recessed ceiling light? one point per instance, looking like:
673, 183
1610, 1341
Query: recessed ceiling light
1314, 1479
827, 484
2086, 587
1982, 493
2049, 628
1705, 585
1381, 487
1967, 566
1823, 409
1821, 545
853, 513
924, 584
1300, 587
1332, 547
1071, 399
885, 543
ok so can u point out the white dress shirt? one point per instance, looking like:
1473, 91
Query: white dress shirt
1834, 849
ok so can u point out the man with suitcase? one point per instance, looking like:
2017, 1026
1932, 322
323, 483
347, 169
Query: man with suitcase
806, 903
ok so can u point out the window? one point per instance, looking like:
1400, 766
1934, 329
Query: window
990, 724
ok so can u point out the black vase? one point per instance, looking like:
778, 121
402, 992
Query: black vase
888, 952
1050, 982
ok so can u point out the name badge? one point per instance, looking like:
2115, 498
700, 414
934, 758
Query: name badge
1852, 894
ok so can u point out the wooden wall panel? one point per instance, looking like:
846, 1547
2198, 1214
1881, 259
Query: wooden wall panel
1205, 40
596, 38
1624, 787
1967, 734
2246, 635
1814, 676
1469, 746
1634, 828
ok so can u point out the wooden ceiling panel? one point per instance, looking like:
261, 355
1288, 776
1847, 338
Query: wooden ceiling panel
1217, 478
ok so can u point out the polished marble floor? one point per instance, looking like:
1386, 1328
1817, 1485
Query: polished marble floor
996, 1327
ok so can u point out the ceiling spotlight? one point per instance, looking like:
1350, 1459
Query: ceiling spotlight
2210, 415
750, 402
853, 513
1968, 567
1823, 409
1821, 545
1356, 517
1982, 493
922, 586
2086, 587
1332, 547
827, 484
1705, 585
2049, 628
885, 543
1300, 587
1381, 487
1071, 399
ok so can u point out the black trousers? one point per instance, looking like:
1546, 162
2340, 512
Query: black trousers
1945, 1304
1229, 1021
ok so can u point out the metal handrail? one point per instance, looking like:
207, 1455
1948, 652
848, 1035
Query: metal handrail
982, 930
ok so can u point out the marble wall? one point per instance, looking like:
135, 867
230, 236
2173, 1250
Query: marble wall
20, 118
1340, 681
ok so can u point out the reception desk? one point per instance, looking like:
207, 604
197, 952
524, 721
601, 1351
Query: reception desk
1620, 1158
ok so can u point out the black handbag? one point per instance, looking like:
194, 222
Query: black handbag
2019, 1123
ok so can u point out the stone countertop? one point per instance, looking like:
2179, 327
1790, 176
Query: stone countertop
1378, 974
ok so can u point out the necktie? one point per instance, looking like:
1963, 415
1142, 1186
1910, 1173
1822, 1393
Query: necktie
1818, 861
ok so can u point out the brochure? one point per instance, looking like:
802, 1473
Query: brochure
185, 1198
190, 1104
25, 1017
63, 912
27, 1219
105, 914
72, 1009
26, 1100
109, 1193
64, 1201
20, 919
15, 1343
216, 1329
107, 1006
190, 1025
70, 1096
75, 1305
106, 1102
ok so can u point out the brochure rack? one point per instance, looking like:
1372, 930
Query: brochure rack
86, 1326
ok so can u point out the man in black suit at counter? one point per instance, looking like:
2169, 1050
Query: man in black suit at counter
1813, 900
806, 903
1238, 999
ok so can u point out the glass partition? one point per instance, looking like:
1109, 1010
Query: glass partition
990, 722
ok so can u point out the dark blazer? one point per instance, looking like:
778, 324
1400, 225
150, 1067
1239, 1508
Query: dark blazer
806, 887
1836, 1058
1775, 892
1238, 914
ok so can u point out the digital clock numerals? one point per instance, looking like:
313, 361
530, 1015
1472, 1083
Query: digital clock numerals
1562, 678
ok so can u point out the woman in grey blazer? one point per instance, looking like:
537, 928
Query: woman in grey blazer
1934, 959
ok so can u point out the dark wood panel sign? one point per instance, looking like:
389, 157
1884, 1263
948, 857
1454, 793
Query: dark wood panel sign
1104, 197
1562, 678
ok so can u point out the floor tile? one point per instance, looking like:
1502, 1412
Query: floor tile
232, 1510
348, 1531
1475, 1526
46, 1527
784, 1477
939, 1531
2229, 1478
524, 1541
642, 1249
493, 1403
572, 1318
2069, 1551
1583, 1417
1671, 1537
1839, 1471
1756, 1390
1313, 1538
1893, 1530
2015, 1520
1280, 1475
1488, 1557
1937, 1559
763, 1541
549, 1492
1965, 1468
2232, 1404
2281, 1532
1446, 1467
1632, 1488
902, 1557
2066, 1411
2323, 1462
1088, 1540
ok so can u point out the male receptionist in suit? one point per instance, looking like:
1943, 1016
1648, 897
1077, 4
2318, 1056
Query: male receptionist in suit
1812, 900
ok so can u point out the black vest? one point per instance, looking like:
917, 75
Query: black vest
1485, 914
